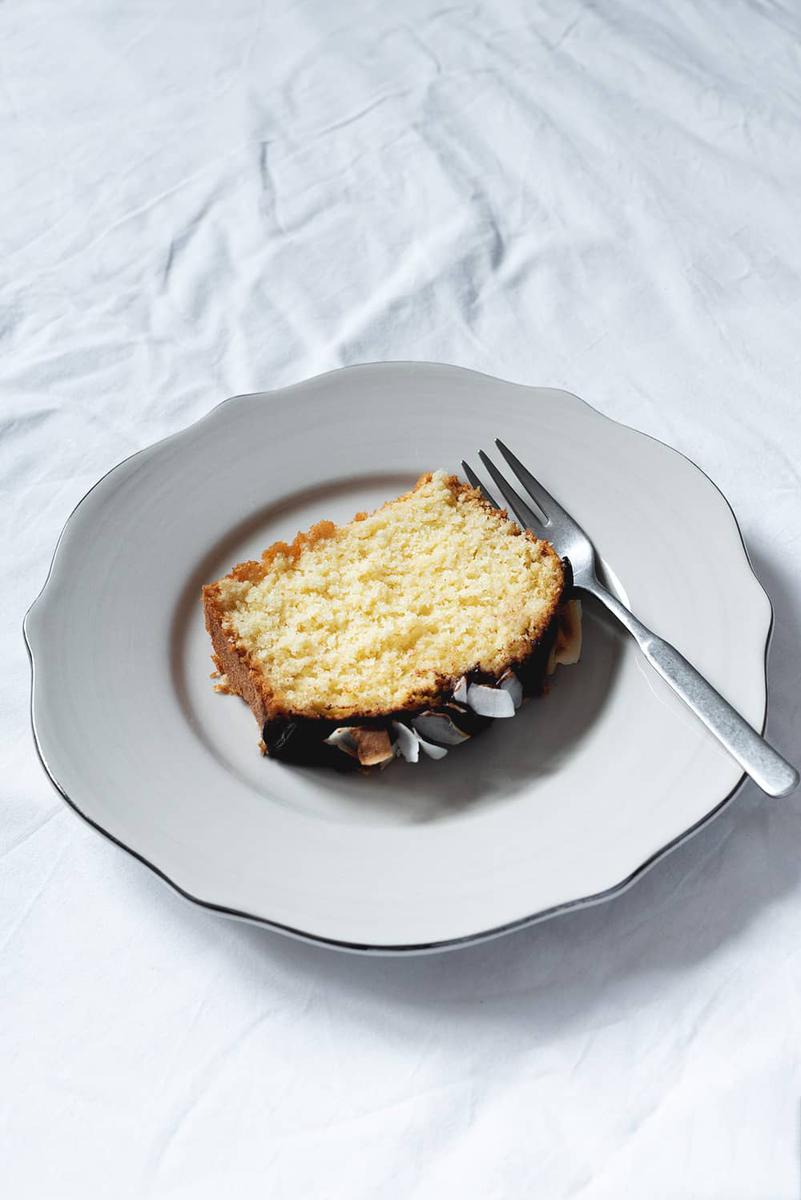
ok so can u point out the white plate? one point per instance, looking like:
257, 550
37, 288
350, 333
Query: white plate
565, 804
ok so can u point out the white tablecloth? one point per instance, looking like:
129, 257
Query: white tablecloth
202, 199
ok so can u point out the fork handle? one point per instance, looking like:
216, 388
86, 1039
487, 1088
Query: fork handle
767, 768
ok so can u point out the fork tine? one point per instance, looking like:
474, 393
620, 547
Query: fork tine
473, 479
521, 510
538, 493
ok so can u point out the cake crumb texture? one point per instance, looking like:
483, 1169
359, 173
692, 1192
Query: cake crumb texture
371, 616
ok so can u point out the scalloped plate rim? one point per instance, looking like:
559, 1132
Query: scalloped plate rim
416, 948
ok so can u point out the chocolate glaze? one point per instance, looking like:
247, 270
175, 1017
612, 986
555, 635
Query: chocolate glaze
532, 671
301, 740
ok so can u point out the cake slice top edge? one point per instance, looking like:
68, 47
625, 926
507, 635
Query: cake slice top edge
386, 613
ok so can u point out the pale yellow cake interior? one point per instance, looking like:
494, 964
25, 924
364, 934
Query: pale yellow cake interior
431, 585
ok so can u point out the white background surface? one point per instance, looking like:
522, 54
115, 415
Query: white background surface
206, 199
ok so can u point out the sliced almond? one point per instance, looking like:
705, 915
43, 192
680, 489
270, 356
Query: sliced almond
373, 746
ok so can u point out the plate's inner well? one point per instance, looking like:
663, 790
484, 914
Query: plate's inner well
482, 771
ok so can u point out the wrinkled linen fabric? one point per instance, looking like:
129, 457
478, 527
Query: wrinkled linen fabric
203, 199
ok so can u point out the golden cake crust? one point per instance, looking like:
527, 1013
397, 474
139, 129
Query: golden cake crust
245, 676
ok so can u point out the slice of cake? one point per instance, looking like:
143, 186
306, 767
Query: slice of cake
404, 631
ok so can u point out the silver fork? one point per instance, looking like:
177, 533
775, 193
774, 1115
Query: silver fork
766, 767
